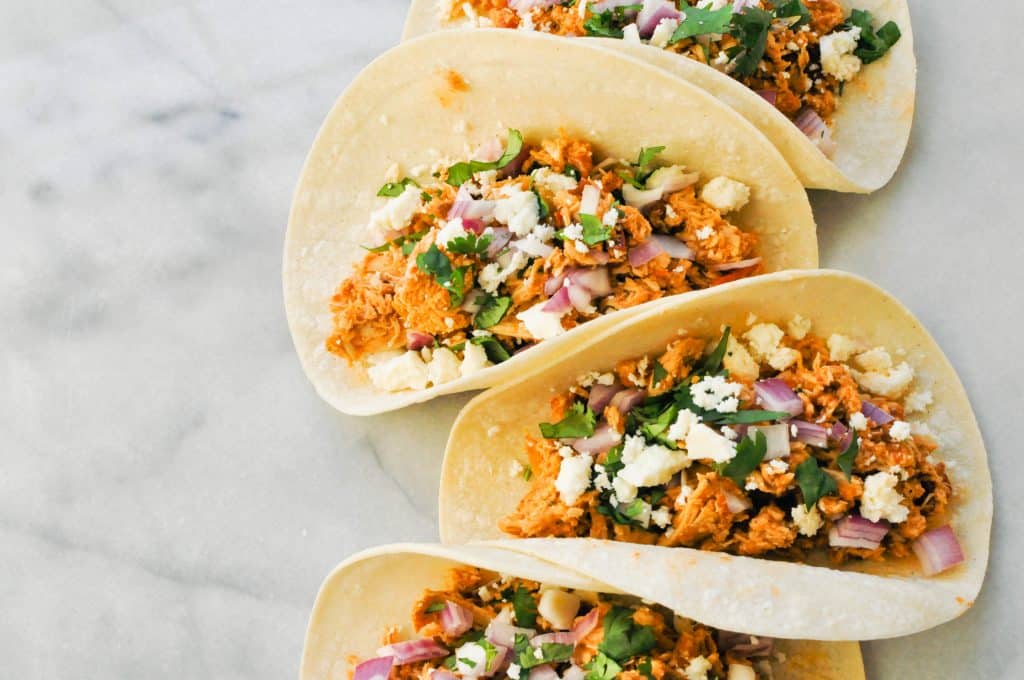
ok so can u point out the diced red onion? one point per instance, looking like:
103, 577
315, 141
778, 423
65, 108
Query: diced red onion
740, 5
674, 181
673, 246
605, 5
515, 165
775, 395
504, 634
776, 437
500, 236
742, 264
644, 253
589, 199
500, 659
492, 149
412, 651
472, 303
544, 672
595, 280
652, 14
559, 638
640, 198
455, 619
601, 396
441, 674
626, 400
938, 550
876, 414
374, 669
769, 95
812, 125
854, 531
605, 437
463, 199
533, 247
580, 298
841, 435
559, 303
599, 256
586, 625
474, 225
574, 672
811, 433
742, 644
415, 340
736, 504
552, 285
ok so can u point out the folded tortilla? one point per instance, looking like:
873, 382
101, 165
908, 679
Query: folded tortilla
376, 589
402, 110
871, 124
770, 597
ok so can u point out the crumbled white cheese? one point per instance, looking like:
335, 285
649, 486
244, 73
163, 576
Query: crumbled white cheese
917, 401
661, 517
663, 32
778, 466
841, 347
697, 669
881, 500
703, 442
407, 371
858, 421
899, 430
729, 433
715, 393
624, 491
876, 359
601, 481
397, 213
678, 430
783, 357
654, 465
518, 210
470, 659
515, 468
724, 194
738, 362
494, 274
443, 367
611, 217
798, 327
539, 324
705, 233
474, 358
551, 181
837, 58
450, 230
631, 33
808, 522
514, 671
891, 383
763, 339
573, 478
596, 377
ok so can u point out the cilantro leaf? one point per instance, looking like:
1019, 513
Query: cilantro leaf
645, 668
393, 189
492, 311
602, 667
461, 172
550, 653
646, 159
527, 473
749, 454
623, 638
793, 8
525, 607
437, 264
609, 23
406, 242
436, 607
543, 208
814, 483
496, 351
470, 244
846, 458
656, 428
713, 362
751, 416
749, 27
659, 372
594, 231
701, 21
579, 422
873, 45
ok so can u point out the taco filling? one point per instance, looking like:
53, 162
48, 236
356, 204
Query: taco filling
769, 442
495, 626
521, 244
796, 55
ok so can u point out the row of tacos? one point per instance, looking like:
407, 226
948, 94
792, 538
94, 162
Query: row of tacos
698, 450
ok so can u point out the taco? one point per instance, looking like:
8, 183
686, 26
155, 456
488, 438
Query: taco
424, 611
831, 82
459, 221
797, 438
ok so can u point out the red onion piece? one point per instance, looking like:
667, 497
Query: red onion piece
673, 246
583, 627
473, 225
769, 95
441, 674
595, 280
544, 672
599, 256
412, 651
473, 302
775, 395
415, 340
626, 400
515, 165
776, 437
601, 396
500, 660
853, 531
605, 5
552, 285
462, 201
737, 504
504, 634
560, 638
589, 199
374, 669
580, 298
455, 619
559, 302
533, 247
644, 253
875, 414
740, 5
500, 236
742, 644
840, 435
812, 125
811, 433
640, 198
742, 264
938, 550
652, 14
605, 437
574, 672
491, 150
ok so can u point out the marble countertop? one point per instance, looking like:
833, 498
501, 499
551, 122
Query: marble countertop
172, 491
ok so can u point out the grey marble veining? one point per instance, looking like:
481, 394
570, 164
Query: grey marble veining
171, 490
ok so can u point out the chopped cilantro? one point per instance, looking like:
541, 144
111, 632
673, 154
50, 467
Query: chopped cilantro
578, 422
406, 243
609, 23
645, 668
847, 457
635, 508
393, 189
602, 667
550, 653
470, 244
750, 28
492, 311
436, 607
623, 638
496, 351
751, 416
542, 206
656, 428
793, 8
659, 372
701, 21
460, 172
814, 482
525, 607
749, 454
437, 264
527, 473
873, 44
712, 364
594, 231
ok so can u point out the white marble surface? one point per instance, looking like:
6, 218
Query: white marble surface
172, 491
